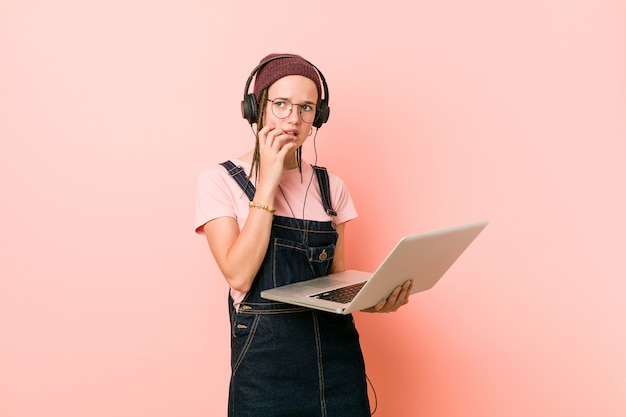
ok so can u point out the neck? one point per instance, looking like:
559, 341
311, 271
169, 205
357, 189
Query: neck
291, 162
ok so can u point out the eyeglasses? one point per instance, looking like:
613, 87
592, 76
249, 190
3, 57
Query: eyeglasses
282, 109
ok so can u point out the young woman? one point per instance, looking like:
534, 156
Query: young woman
271, 219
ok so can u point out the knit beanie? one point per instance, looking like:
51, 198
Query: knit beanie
278, 68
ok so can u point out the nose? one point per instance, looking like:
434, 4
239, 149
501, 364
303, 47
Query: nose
294, 114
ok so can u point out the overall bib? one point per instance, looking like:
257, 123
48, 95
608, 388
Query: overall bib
286, 360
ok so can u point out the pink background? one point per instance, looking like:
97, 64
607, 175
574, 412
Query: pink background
443, 112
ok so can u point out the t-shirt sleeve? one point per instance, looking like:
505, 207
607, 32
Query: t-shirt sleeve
341, 200
213, 197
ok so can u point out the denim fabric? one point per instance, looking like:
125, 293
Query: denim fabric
292, 361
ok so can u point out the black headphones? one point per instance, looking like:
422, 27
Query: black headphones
250, 107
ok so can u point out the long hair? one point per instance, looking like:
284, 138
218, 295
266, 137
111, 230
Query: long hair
256, 157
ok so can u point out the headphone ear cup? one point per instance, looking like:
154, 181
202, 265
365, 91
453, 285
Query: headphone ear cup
321, 117
250, 108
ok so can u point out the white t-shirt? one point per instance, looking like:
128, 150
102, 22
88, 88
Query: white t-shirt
219, 195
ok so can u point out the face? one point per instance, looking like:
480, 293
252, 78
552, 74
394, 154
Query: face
298, 90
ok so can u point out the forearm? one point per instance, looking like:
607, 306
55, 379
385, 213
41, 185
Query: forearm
244, 258
239, 254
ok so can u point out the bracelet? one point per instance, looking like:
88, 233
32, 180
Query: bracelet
262, 207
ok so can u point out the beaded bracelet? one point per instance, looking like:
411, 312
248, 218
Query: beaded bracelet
262, 207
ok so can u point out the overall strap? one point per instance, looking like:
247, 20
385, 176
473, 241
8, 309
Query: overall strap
240, 176
324, 183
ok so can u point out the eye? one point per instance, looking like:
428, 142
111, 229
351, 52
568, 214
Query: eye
280, 104
306, 107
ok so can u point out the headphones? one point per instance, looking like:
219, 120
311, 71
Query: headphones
250, 107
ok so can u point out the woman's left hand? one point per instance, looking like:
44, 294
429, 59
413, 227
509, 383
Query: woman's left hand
398, 298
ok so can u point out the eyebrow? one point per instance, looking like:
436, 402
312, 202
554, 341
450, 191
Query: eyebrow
289, 100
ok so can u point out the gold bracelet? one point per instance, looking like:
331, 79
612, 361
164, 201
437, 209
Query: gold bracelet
262, 207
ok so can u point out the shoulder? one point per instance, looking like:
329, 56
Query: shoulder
340, 197
214, 182
332, 176
337, 184
217, 174
218, 195
213, 171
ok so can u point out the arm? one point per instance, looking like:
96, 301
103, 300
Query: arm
239, 254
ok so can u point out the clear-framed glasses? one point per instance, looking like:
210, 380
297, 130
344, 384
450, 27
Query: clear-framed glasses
282, 109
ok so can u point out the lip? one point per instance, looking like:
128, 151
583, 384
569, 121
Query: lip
292, 132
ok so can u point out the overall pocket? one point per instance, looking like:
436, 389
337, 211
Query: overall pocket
243, 329
299, 262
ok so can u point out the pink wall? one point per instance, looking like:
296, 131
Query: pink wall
442, 112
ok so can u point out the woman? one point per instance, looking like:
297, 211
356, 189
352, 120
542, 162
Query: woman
270, 219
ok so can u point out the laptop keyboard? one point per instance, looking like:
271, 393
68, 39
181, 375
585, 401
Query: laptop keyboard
341, 295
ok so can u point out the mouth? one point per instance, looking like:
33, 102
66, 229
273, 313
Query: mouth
292, 132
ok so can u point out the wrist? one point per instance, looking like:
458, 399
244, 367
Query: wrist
257, 205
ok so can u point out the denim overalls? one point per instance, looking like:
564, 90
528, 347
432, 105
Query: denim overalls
287, 360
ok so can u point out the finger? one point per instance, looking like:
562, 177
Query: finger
380, 306
406, 291
393, 297
271, 136
278, 140
402, 297
268, 134
265, 131
286, 148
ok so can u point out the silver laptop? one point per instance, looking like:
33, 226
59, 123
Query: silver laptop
424, 258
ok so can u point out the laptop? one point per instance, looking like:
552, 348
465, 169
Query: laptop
424, 258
